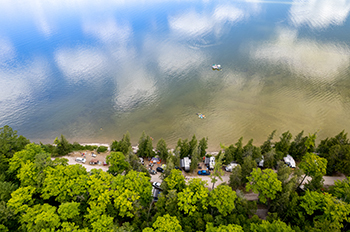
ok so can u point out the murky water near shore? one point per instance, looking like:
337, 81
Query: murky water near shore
92, 70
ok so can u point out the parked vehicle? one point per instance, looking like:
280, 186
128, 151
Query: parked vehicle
94, 161
152, 172
93, 155
231, 166
210, 162
141, 161
156, 193
261, 162
80, 160
289, 161
203, 172
185, 164
156, 185
159, 169
105, 163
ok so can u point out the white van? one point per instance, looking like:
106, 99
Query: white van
80, 160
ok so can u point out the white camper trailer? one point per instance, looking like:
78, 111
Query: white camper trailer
261, 162
231, 166
289, 161
210, 162
185, 164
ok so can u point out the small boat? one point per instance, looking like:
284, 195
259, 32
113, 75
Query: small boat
201, 116
216, 67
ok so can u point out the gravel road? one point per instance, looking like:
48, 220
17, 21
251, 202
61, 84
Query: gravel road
328, 180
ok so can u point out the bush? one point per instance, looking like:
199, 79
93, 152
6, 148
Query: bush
102, 149
77, 146
90, 147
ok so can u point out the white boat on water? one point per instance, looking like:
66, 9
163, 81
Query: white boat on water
216, 67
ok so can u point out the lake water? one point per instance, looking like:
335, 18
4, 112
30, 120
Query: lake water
92, 70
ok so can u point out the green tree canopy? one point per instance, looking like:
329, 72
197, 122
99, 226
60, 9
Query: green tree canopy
203, 146
268, 144
175, 181
223, 199
236, 177
325, 207
162, 150
223, 228
40, 218
341, 189
217, 172
145, 146
165, 223
66, 183
10, 142
194, 197
21, 157
265, 183
63, 147
284, 143
275, 226
68, 210
313, 166
117, 162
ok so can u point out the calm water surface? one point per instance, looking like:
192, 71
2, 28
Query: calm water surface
92, 70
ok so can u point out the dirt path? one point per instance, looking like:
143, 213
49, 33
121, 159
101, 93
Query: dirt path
88, 155
328, 180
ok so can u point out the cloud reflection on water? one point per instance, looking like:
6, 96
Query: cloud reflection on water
319, 13
81, 64
133, 84
309, 58
194, 24
7, 51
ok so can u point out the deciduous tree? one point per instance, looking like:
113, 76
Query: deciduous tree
223, 228
165, 223
175, 181
40, 218
223, 199
313, 166
271, 226
22, 199
10, 142
66, 183
117, 163
265, 183
21, 157
323, 206
217, 172
194, 197
341, 189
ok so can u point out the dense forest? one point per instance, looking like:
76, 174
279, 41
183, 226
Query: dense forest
39, 193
